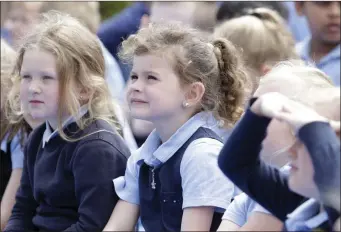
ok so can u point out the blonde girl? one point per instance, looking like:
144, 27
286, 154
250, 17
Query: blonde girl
71, 159
263, 37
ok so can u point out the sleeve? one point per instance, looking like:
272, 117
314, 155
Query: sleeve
113, 75
127, 186
324, 148
259, 208
94, 164
236, 212
203, 183
240, 162
17, 153
25, 206
118, 27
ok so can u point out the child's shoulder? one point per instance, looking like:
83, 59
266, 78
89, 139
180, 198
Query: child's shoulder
101, 132
35, 137
203, 147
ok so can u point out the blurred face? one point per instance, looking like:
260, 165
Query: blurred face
20, 20
280, 137
154, 90
281, 145
276, 145
172, 11
323, 18
301, 178
39, 90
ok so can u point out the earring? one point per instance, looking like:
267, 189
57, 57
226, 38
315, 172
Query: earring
185, 104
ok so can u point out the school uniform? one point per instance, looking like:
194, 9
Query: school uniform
242, 164
329, 64
310, 217
243, 206
12, 157
66, 186
179, 173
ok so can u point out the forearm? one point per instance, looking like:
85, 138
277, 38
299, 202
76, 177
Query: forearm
324, 148
123, 218
240, 161
8, 199
202, 216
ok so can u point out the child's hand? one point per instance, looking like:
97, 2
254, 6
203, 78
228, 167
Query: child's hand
269, 104
298, 115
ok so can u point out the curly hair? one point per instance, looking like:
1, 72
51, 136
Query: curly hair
196, 57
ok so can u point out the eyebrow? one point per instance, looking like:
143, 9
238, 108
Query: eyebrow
39, 73
146, 73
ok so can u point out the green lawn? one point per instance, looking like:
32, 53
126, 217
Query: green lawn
109, 9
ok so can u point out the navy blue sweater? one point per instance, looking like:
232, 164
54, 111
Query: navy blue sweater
240, 161
68, 185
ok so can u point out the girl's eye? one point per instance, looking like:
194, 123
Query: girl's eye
47, 77
25, 76
133, 77
151, 77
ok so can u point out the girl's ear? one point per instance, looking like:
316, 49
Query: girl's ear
84, 96
194, 93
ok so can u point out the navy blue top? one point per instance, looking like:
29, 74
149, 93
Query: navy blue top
68, 185
240, 161
117, 28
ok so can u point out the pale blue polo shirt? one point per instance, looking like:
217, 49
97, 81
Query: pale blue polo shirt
243, 206
329, 64
203, 183
306, 217
17, 151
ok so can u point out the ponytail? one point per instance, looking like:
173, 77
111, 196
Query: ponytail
233, 80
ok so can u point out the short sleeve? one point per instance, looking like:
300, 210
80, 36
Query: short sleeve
203, 183
127, 186
259, 208
236, 212
17, 153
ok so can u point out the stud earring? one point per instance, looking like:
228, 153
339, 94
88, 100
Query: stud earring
185, 104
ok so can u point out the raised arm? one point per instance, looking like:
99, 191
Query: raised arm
240, 161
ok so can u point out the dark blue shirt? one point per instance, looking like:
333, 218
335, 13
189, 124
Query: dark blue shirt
68, 185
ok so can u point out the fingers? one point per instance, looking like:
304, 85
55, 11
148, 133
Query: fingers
284, 117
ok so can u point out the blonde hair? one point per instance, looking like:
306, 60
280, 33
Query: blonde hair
215, 63
263, 37
86, 12
79, 64
327, 103
8, 57
298, 81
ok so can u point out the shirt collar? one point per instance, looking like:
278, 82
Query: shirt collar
304, 51
4, 143
308, 213
153, 148
48, 134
